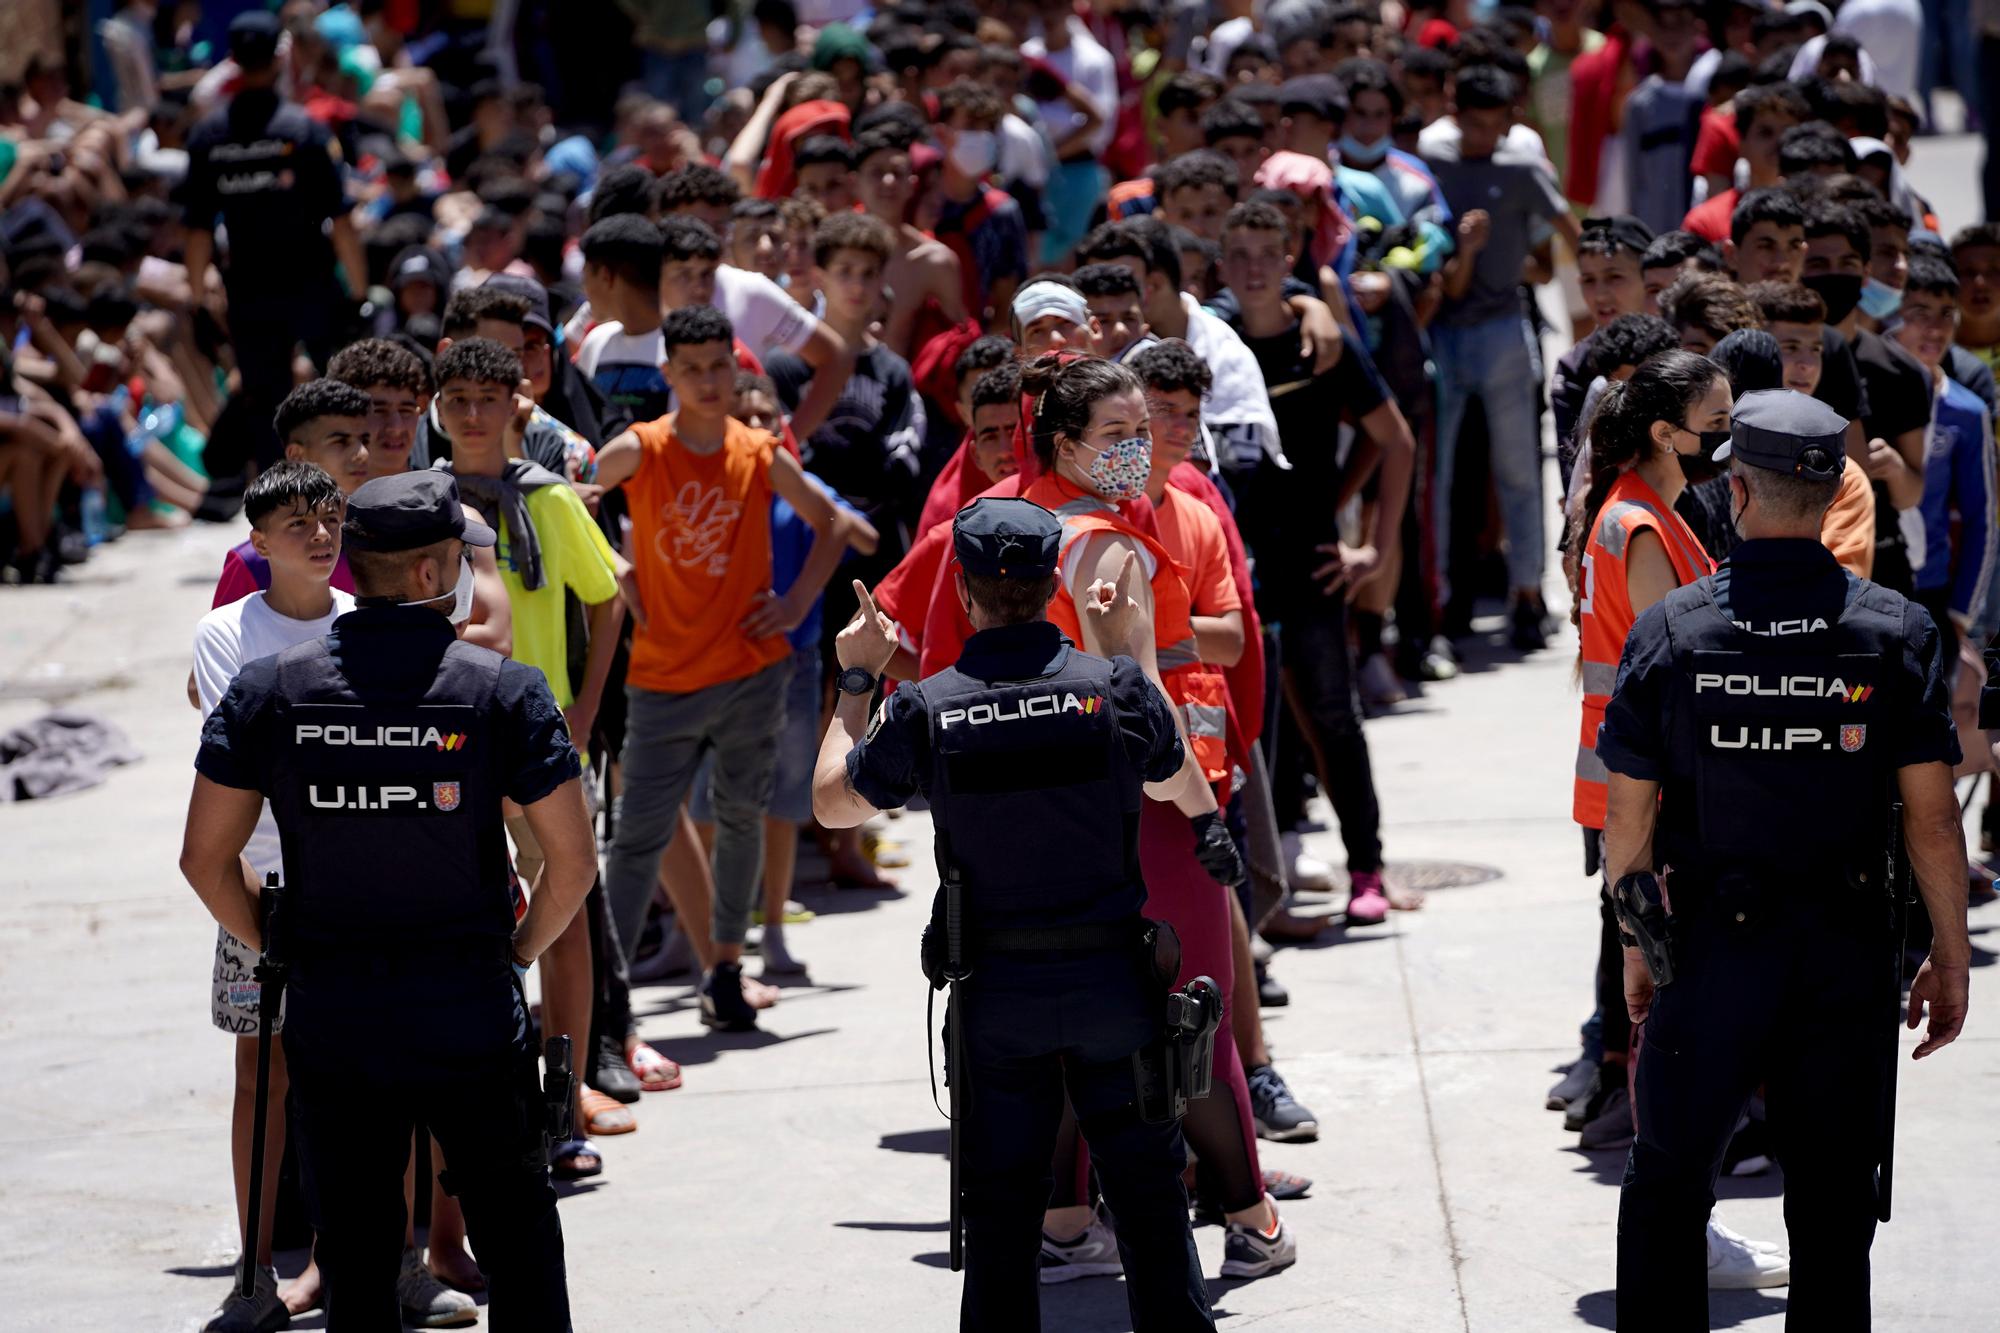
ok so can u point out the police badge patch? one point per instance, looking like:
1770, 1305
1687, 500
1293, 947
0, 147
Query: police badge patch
1853, 735
444, 795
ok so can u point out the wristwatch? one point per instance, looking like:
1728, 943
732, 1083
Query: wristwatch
856, 680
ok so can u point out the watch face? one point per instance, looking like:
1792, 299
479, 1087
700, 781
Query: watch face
856, 680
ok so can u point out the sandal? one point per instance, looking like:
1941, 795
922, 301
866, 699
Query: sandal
603, 1115
885, 854
759, 995
1285, 1185
563, 1164
655, 1072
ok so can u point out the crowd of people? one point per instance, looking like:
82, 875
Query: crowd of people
1253, 285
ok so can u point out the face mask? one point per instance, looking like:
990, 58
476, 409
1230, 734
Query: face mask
1701, 465
1119, 471
460, 594
975, 151
1840, 291
1879, 300
1355, 153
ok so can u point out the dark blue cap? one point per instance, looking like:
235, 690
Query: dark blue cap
406, 511
1004, 539
1773, 428
253, 37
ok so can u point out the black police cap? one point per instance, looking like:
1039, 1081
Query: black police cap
1773, 428
253, 38
406, 511
1013, 539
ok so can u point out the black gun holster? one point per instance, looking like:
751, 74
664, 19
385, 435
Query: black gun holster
1643, 918
1179, 1065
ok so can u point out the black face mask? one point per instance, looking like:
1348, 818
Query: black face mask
1840, 291
1699, 467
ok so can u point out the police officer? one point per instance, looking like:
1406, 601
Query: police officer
1764, 721
385, 750
1034, 757
266, 171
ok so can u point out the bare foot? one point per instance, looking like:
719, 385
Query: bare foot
1403, 900
850, 870
759, 995
452, 1266
1288, 927
143, 517
302, 1293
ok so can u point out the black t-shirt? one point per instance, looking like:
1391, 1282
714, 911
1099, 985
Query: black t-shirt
1899, 388
1840, 384
1284, 515
261, 167
870, 444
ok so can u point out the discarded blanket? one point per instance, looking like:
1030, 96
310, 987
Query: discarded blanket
59, 753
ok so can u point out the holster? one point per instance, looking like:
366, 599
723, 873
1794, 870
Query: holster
1642, 915
1179, 1064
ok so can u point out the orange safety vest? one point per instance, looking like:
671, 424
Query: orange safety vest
1606, 615
1200, 691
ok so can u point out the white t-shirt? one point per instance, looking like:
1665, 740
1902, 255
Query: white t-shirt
625, 367
1087, 64
765, 318
241, 632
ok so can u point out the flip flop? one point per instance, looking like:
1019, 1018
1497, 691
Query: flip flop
885, 854
563, 1165
758, 995
602, 1115
655, 1072
1285, 1185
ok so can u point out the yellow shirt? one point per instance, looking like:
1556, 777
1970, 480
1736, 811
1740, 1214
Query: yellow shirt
574, 556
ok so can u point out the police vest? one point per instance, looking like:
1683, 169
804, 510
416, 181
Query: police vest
388, 810
1035, 801
1785, 737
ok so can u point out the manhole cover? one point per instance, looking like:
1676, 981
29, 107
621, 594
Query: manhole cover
1424, 876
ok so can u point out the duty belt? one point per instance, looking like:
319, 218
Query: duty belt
1062, 939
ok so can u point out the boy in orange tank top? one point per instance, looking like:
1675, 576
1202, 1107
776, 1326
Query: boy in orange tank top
709, 659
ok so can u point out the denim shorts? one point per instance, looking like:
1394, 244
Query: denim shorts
798, 749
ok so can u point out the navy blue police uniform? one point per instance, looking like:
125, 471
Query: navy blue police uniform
263, 169
1774, 703
385, 749
1033, 756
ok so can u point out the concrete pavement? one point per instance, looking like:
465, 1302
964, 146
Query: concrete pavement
796, 1181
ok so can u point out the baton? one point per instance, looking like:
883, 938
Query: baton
1899, 932
270, 973
954, 1017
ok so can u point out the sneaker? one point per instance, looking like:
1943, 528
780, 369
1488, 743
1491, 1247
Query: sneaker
1583, 1110
1305, 873
429, 1303
1271, 993
722, 1004
261, 1312
1248, 1252
1279, 1116
1612, 1126
609, 1073
1739, 1264
1367, 905
1529, 633
1092, 1254
1378, 683
1575, 1086
1438, 661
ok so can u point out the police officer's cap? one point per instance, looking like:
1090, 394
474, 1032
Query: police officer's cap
1013, 539
1773, 428
253, 38
406, 511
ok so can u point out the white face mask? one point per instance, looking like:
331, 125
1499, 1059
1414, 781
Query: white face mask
975, 151
460, 594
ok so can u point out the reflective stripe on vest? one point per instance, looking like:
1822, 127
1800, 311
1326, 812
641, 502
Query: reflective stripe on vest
1605, 614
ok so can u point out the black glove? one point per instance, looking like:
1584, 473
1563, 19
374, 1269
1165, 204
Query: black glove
1216, 851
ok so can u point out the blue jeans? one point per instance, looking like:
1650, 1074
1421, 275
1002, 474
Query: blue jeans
1497, 363
679, 78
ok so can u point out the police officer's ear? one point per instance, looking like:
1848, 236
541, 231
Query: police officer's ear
964, 593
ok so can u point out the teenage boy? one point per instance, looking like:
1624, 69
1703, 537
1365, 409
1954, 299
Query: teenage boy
1195, 190
1289, 519
621, 281
1119, 318
923, 272
757, 238
766, 319
1958, 504
1898, 389
323, 422
1609, 276
709, 661
1670, 255
1975, 253
499, 310
1050, 315
825, 166
398, 385
1235, 129
1480, 338
1763, 113
980, 224
294, 511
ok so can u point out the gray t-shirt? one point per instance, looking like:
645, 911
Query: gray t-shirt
1521, 197
1661, 121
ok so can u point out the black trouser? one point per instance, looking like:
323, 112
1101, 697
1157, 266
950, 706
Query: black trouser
1035, 1026
265, 331
376, 1046
1319, 686
611, 982
1801, 997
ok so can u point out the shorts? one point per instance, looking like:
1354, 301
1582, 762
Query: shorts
798, 750
234, 990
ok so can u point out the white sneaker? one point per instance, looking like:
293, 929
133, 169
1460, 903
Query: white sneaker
429, 1303
1092, 1254
1736, 1263
1305, 872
